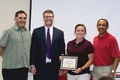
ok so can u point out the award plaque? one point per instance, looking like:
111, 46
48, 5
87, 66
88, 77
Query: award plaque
69, 63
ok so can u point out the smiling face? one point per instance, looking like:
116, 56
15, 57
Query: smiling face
48, 19
102, 26
80, 31
20, 20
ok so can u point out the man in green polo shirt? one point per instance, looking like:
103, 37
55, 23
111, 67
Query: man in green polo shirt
15, 48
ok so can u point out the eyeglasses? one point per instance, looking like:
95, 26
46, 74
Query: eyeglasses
101, 25
48, 16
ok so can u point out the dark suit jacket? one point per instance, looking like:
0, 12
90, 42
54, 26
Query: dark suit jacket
39, 48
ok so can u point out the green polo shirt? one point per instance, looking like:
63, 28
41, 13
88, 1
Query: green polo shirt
16, 44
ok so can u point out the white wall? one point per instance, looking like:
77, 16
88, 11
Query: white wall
7, 12
68, 13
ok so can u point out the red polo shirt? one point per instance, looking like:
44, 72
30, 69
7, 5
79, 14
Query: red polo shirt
105, 50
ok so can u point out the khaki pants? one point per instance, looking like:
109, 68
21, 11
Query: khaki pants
99, 71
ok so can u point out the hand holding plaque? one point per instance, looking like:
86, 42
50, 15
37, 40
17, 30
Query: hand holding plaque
69, 63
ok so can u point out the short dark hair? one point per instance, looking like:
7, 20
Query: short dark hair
105, 78
20, 12
80, 25
48, 11
107, 24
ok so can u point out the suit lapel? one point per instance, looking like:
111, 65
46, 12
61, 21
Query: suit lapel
54, 34
43, 34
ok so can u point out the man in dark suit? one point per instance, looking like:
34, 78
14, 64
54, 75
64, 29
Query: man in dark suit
46, 48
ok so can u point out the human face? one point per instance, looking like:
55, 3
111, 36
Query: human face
80, 32
102, 27
20, 20
48, 19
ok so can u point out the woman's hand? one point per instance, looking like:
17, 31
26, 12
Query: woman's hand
78, 70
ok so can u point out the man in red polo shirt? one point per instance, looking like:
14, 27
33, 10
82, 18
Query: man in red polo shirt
106, 52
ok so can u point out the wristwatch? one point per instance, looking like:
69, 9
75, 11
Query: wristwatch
113, 71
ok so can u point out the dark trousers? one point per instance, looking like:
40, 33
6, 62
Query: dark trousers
46, 74
15, 74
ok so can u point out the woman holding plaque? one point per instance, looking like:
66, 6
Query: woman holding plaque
83, 49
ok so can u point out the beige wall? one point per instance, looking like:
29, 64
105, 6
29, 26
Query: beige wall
7, 12
8, 9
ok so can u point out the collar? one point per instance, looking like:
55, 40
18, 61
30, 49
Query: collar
17, 28
79, 42
105, 35
49, 28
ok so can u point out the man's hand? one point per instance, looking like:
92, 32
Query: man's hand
112, 75
33, 70
60, 57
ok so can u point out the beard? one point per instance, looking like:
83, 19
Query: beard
48, 22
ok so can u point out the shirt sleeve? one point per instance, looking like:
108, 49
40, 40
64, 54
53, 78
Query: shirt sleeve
4, 38
114, 48
90, 48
